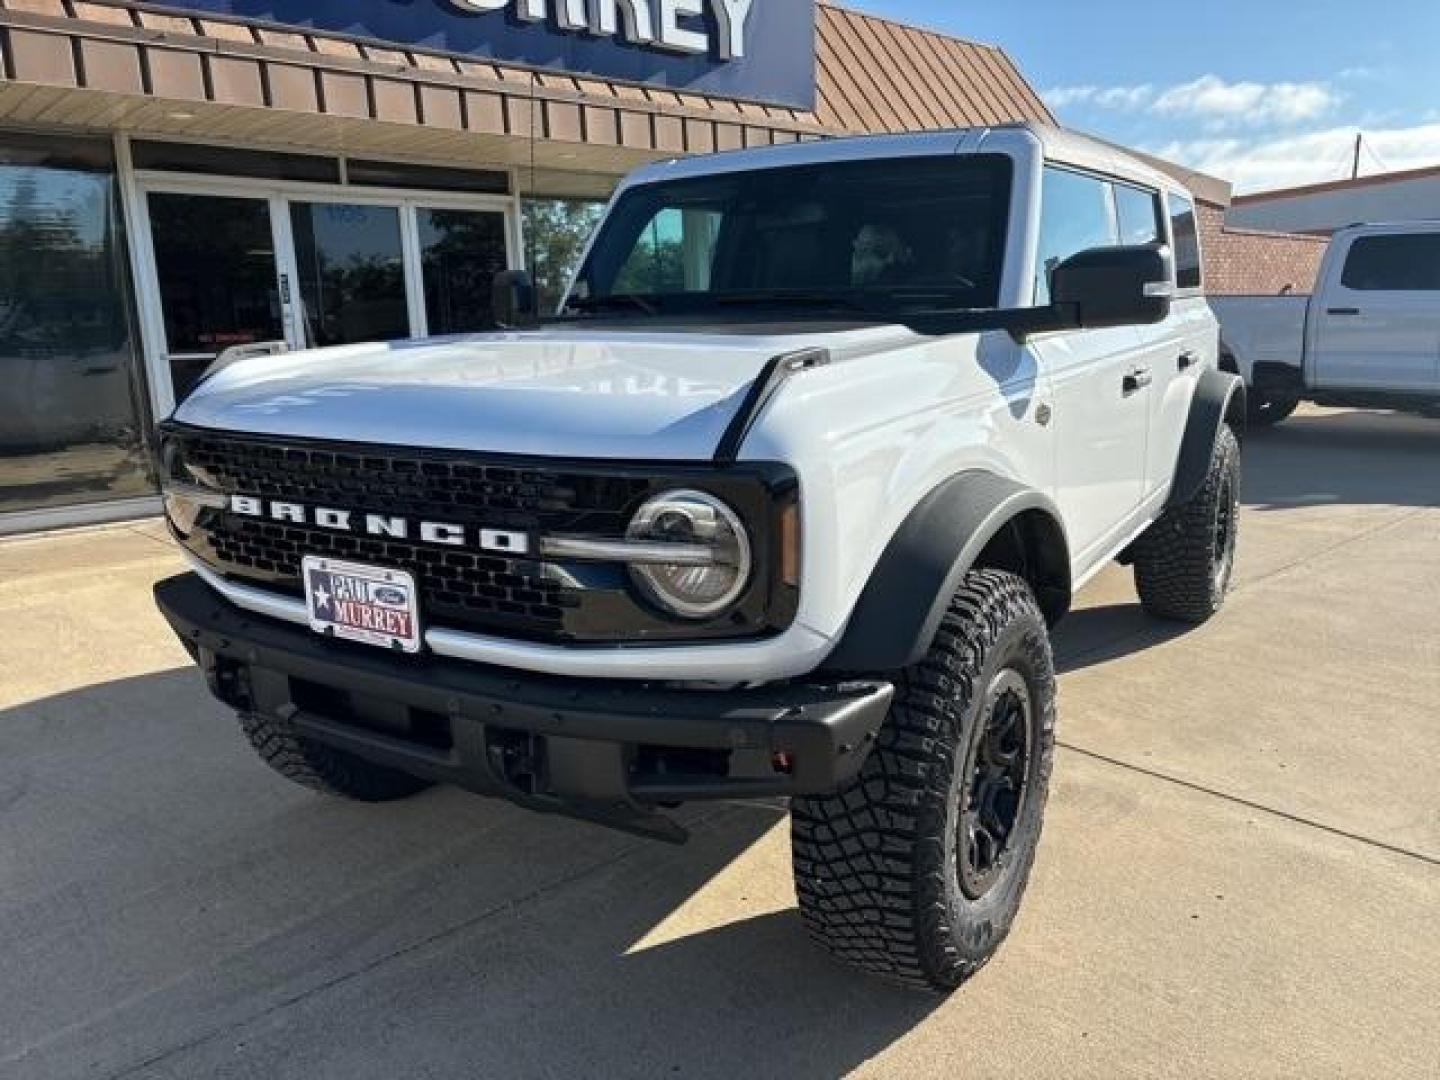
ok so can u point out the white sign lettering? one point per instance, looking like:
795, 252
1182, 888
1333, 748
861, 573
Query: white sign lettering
674, 25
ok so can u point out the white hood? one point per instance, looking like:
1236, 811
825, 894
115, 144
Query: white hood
597, 393
563, 393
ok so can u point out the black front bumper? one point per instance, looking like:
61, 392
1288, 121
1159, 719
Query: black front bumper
606, 750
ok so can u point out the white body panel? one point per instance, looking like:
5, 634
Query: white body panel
1177, 352
1262, 329
1342, 338
892, 416
1099, 433
1367, 339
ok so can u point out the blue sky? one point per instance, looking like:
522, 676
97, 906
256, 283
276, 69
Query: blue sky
1262, 93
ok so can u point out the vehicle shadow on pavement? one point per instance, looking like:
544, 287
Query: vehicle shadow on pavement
1096, 635
1354, 457
169, 907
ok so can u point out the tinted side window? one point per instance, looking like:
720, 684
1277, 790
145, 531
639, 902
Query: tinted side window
1187, 242
1138, 211
1394, 264
1075, 214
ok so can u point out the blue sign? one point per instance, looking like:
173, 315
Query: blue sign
756, 50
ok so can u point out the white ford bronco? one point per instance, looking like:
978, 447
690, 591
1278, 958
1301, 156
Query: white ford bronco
781, 504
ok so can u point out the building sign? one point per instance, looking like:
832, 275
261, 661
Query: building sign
757, 50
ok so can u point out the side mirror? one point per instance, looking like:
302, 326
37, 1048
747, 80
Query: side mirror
513, 300
1113, 286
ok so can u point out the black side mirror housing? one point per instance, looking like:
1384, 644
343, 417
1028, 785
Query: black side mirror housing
1113, 286
513, 300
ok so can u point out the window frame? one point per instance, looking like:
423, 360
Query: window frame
1184, 291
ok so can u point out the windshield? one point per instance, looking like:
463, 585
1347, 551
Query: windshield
882, 235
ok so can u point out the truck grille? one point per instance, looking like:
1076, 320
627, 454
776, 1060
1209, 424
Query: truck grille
466, 589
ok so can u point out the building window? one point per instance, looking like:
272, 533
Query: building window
1186, 232
70, 426
227, 161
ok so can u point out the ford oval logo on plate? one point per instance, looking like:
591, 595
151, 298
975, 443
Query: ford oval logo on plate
384, 594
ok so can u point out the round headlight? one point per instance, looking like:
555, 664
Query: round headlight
692, 518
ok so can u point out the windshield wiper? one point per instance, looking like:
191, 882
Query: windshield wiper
797, 298
611, 301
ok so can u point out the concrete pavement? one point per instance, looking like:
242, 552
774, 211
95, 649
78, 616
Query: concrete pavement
1240, 874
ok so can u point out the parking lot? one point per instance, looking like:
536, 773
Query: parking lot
1240, 874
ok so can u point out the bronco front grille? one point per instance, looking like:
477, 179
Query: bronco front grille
472, 590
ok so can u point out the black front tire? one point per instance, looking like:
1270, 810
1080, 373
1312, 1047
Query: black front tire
1184, 562
916, 870
321, 768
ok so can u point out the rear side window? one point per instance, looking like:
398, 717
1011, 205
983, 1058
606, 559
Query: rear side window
1075, 215
1138, 212
1187, 242
1394, 264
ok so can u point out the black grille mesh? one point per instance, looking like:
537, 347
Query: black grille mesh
469, 590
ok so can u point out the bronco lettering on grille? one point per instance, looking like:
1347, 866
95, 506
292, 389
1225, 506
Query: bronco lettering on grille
442, 533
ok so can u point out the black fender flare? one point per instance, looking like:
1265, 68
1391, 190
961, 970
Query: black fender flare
941, 540
1220, 397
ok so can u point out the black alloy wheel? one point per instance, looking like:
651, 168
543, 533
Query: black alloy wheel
992, 799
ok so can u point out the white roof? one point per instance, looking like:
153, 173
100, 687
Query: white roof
1056, 144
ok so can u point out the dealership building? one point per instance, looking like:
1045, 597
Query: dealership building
177, 180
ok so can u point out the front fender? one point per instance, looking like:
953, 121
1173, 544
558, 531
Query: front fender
902, 604
1219, 398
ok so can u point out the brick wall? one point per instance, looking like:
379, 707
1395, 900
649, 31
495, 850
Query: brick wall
1249, 261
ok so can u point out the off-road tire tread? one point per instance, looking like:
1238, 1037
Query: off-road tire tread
1174, 571
869, 861
322, 768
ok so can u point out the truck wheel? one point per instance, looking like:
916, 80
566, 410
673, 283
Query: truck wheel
915, 871
1266, 410
322, 768
1183, 562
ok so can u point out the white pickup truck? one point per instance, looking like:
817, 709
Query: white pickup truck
1369, 337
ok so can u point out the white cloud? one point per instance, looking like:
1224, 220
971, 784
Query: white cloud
1209, 99
1306, 158
1213, 99
1126, 98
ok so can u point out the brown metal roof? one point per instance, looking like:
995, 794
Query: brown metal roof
878, 75
108, 64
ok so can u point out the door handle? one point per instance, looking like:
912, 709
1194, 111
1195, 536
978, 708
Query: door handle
1342, 311
1187, 359
1136, 380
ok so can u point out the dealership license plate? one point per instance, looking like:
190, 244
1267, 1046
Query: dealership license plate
371, 604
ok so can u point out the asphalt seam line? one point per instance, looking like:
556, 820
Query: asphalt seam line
1250, 804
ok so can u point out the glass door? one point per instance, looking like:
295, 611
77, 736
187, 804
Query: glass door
461, 251
217, 278
350, 265
307, 267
